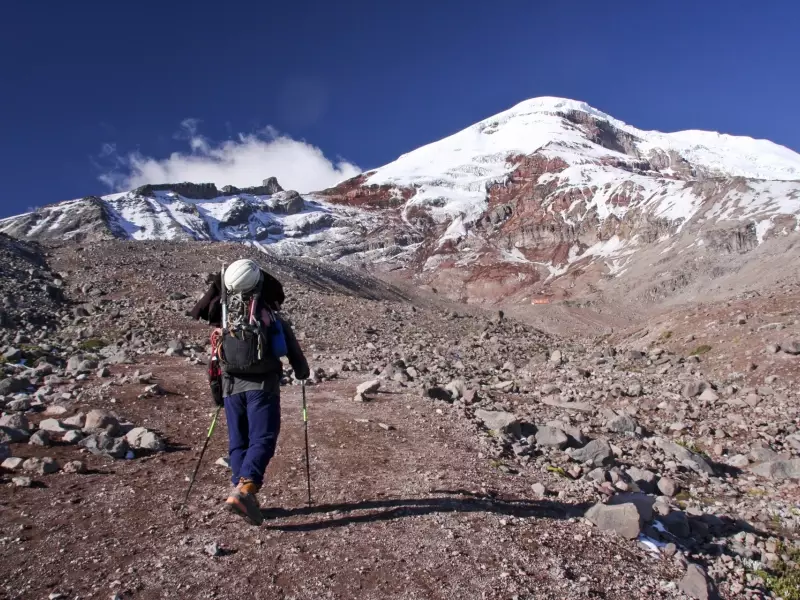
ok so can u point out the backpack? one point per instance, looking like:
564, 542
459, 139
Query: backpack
248, 346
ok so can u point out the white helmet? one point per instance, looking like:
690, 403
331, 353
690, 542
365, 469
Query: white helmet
242, 276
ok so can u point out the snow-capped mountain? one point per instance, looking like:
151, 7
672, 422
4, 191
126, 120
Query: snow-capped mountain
551, 197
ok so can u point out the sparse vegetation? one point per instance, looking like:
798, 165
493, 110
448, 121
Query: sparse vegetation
665, 335
557, 470
783, 580
701, 349
92, 344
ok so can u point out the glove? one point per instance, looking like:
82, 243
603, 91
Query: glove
302, 375
216, 391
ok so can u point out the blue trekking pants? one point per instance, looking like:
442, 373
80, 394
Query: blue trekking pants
254, 422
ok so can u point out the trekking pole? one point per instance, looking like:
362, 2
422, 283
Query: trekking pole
202, 452
305, 426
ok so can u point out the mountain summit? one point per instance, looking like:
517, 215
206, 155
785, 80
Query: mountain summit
550, 198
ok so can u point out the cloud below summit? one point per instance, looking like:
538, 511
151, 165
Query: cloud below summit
242, 161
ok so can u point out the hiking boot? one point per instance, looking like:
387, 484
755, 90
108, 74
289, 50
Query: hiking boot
242, 501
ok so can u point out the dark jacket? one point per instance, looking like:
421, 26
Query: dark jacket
208, 308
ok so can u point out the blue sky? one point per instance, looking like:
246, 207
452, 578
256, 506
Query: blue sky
102, 93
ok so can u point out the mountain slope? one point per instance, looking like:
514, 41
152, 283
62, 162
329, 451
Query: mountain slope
551, 198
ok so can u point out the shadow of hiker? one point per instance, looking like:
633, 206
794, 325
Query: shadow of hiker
391, 509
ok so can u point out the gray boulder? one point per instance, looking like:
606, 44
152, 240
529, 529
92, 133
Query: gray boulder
99, 420
15, 421
687, 458
141, 438
499, 421
622, 519
40, 438
778, 470
12, 435
104, 444
696, 585
622, 424
597, 452
13, 385
551, 437
72, 437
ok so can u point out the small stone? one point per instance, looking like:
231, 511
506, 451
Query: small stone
223, 462
21, 481
792, 347
12, 354
739, 461
556, 357
75, 421
103, 372
386, 427
72, 437
693, 389
12, 463
42, 466
15, 421
667, 487
539, 490
368, 387
74, 467
212, 549
708, 395
773, 348
52, 425
622, 424
634, 390
40, 438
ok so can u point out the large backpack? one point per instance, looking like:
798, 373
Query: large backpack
248, 346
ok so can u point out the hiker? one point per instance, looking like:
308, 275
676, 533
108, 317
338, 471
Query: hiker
248, 347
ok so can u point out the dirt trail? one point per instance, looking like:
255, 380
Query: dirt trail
408, 512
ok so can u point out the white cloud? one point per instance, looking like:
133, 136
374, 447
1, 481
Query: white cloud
244, 161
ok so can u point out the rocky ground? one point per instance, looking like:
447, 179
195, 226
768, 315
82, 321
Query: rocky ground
455, 453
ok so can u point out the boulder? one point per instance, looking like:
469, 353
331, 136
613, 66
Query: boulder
622, 424
778, 470
13, 385
141, 438
104, 444
622, 519
53, 426
41, 466
15, 421
13, 463
74, 466
597, 452
99, 420
368, 387
689, 459
643, 502
9, 435
72, 437
792, 347
499, 421
40, 438
551, 437
696, 585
